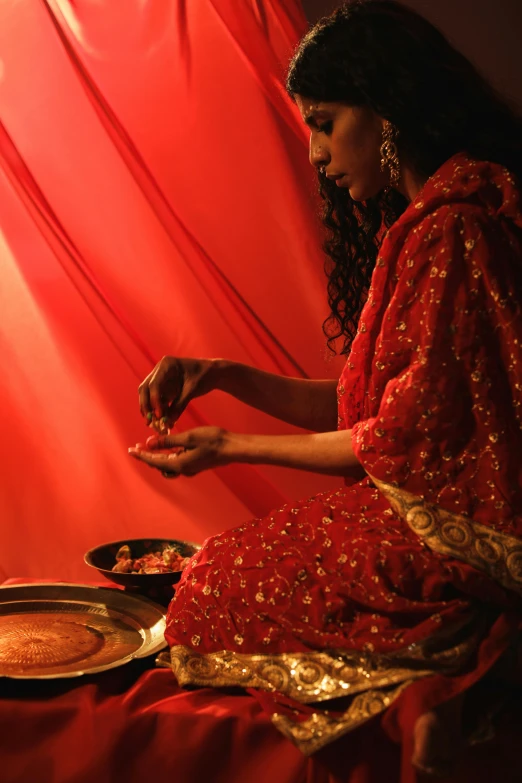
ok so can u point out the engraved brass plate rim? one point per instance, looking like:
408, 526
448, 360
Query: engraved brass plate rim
56, 630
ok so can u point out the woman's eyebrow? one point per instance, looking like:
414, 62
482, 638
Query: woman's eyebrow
311, 119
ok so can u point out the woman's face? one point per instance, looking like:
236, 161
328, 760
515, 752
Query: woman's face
346, 140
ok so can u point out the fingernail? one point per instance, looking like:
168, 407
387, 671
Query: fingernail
149, 416
133, 450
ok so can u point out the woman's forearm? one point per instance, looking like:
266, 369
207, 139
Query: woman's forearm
325, 452
311, 404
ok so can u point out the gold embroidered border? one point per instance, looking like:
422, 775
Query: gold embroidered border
321, 728
305, 677
317, 676
497, 554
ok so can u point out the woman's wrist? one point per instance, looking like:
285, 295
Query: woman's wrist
219, 373
238, 447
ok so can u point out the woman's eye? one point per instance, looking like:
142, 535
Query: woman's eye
326, 127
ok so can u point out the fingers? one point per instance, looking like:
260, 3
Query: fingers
174, 410
155, 393
185, 453
171, 413
166, 387
164, 395
144, 399
169, 464
152, 405
152, 392
161, 426
176, 440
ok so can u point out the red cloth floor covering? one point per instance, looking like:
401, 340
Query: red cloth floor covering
134, 723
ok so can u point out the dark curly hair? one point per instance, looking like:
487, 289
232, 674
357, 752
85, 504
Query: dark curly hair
381, 54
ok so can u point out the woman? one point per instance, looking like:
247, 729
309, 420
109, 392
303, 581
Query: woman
400, 592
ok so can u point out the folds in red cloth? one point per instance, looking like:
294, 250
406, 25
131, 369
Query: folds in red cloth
129, 725
155, 198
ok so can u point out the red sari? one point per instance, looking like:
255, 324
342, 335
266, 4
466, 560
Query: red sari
397, 592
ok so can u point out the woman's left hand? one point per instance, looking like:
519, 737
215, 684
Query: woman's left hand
186, 453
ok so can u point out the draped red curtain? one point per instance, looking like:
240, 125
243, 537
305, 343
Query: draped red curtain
155, 198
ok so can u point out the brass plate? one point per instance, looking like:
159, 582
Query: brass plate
50, 631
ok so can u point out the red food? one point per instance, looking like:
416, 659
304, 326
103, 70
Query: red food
123, 567
162, 561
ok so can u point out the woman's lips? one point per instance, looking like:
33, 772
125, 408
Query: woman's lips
339, 179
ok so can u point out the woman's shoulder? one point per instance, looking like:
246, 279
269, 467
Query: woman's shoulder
464, 194
464, 182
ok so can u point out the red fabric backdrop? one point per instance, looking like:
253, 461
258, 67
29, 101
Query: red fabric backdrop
155, 198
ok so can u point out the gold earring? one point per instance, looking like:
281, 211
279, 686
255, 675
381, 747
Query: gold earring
389, 155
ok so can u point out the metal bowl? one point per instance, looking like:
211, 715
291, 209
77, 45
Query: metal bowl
103, 558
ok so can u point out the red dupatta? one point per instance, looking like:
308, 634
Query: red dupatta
434, 380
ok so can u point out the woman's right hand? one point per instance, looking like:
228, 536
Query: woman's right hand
172, 384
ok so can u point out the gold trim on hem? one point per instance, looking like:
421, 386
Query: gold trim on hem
321, 728
316, 676
306, 677
497, 554
374, 681
370, 680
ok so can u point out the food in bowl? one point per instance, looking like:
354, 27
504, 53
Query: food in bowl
162, 561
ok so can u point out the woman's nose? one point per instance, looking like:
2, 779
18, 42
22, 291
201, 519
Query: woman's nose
318, 155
